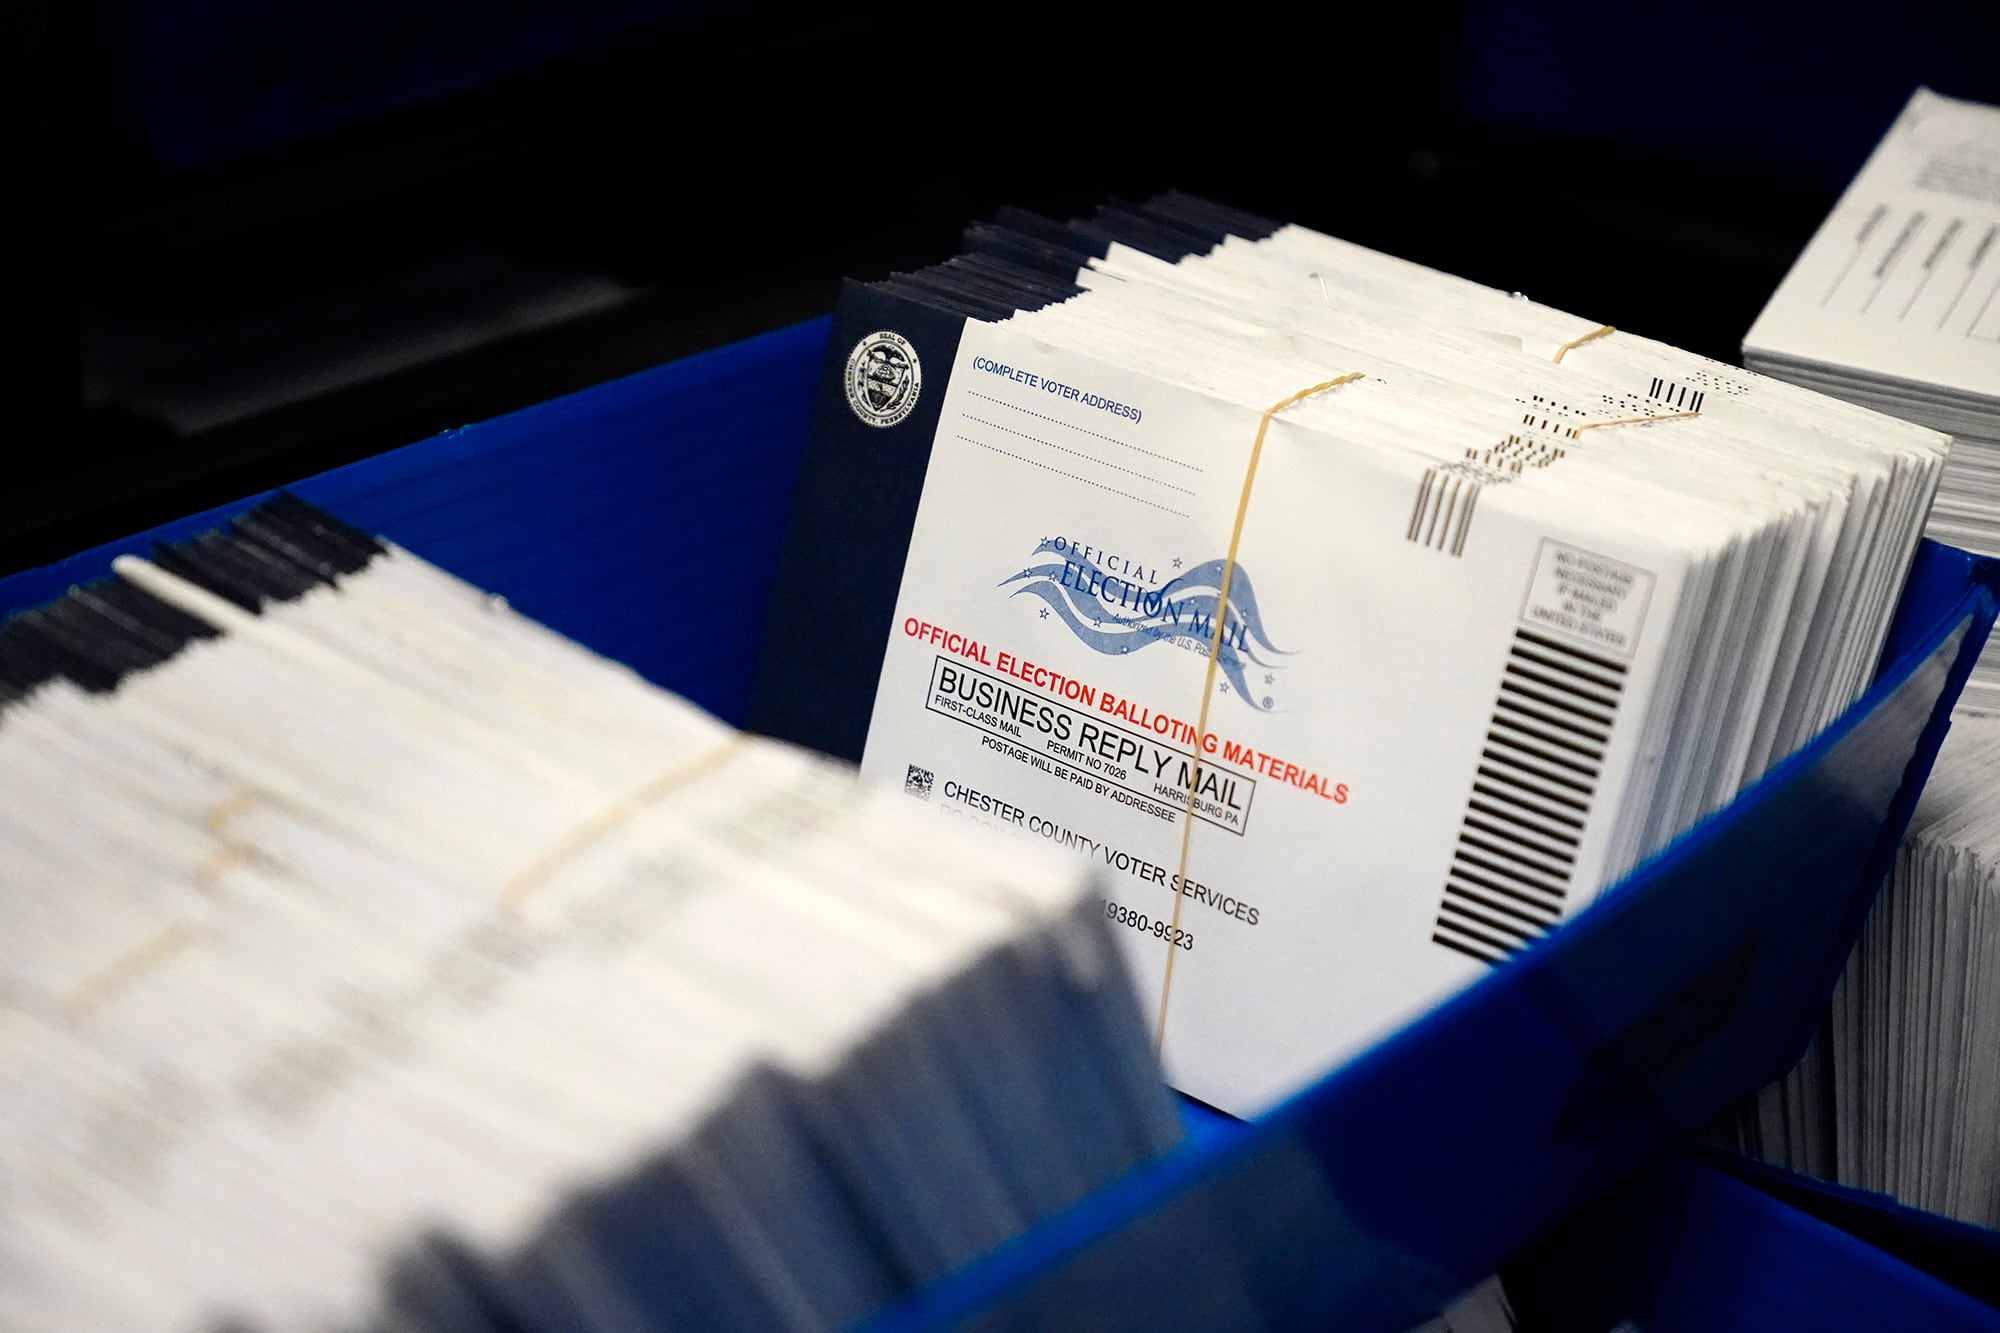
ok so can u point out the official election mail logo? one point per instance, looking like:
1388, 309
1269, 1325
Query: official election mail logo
883, 378
1115, 606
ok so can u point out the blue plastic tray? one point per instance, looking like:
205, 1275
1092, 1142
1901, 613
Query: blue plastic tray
644, 518
1687, 1248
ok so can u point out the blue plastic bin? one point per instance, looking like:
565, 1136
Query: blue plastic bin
644, 518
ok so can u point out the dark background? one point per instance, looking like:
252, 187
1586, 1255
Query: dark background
243, 242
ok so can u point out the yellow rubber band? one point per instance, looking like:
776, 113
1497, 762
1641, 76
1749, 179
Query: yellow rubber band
1633, 421
1592, 336
1208, 680
224, 811
83, 1002
526, 880
209, 874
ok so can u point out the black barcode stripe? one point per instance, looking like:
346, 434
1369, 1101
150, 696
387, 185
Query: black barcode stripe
1489, 769
1546, 774
1508, 714
1466, 927
1549, 717
1568, 691
1525, 894
1569, 650
1571, 753
1461, 894
1437, 503
1513, 813
1442, 519
1587, 669
1480, 937
1430, 530
1562, 844
1461, 491
1501, 734
1470, 863
1523, 797
1557, 861
1460, 913
1527, 802
1441, 514
1532, 792
1541, 917
1480, 833
1423, 496
1520, 835
1683, 396
1465, 907
1526, 652
1483, 955
1499, 717
1550, 861
1498, 860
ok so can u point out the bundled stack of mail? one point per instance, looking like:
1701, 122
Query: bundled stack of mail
1902, 1093
1895, 304
377, 958
1361, 621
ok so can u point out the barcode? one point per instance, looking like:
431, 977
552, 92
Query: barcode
1516, 452
1442, 514
1541, 421
1531, 794
1680, 397
1550, 415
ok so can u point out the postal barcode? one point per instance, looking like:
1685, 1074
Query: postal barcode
1680, 397
1443, 510
1531, 795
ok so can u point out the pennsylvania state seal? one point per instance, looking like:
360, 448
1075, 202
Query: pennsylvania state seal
883, 378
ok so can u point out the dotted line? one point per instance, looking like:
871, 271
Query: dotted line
1109, 439
1088, 458
1073, 477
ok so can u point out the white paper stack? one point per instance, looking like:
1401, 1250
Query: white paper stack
1895, 304
1506, 600
1907, 1098
377, 958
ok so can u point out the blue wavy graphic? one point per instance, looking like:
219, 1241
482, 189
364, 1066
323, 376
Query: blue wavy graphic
1185, 607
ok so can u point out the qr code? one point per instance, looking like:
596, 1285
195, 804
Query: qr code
918, 783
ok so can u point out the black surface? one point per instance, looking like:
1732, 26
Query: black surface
718, 173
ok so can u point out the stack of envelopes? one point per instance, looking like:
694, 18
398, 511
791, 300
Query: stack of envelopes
377, 958
1895, 304
1361, 621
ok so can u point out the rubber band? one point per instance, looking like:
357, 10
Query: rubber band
224, 811
1596, 333
1634, 421
209, 874
1208, 680
121, 972
526, 880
